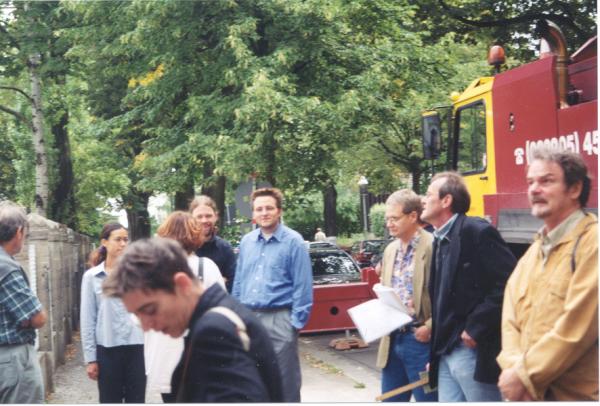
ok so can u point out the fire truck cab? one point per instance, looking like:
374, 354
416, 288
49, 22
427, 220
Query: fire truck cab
498, 121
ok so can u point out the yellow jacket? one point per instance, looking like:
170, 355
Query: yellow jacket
421, 301
550, 317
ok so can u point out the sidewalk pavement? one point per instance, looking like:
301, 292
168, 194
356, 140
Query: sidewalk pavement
327, 376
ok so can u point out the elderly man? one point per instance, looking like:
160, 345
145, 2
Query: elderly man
405, 267
228, 356
550, 312
470, 266
20, 314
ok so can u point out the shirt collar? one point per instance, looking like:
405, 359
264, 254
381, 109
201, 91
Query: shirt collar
553, 237
3, 251
442, 232
100, 269
277, 234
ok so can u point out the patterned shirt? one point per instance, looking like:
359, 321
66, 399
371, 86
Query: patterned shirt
402, 276
18, 303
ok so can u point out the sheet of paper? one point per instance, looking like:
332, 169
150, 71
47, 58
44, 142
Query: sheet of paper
388, 296
375, 319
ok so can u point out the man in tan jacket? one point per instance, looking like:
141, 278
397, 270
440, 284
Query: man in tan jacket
405, 267
550, 312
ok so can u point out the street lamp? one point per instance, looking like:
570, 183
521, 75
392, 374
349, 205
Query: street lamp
362, 185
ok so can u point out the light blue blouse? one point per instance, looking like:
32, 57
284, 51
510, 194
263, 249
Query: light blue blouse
104, 321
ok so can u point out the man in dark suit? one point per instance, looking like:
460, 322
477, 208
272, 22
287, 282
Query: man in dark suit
471, 264
228, 355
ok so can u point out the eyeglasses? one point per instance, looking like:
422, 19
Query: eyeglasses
394, 219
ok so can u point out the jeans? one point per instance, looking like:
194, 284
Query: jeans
407, 357
455, 378
121, 374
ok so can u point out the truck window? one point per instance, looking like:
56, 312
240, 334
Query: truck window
470, 125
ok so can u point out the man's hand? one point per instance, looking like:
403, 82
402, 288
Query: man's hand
423, 334
468, 340
92, 370
511, 387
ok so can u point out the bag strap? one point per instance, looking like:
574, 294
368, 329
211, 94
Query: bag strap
201, 269
237, 321
242, 334
577, 244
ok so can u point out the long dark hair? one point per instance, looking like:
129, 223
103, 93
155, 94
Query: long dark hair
99, 254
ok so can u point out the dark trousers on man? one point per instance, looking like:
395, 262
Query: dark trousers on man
122, 376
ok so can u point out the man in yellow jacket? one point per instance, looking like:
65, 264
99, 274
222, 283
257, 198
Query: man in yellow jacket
550, 312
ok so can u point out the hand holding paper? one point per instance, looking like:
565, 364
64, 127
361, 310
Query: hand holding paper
379, 317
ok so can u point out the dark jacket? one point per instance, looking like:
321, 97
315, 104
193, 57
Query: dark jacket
222, 254
219, 369
467, 293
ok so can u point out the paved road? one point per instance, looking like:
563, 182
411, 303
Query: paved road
327, 375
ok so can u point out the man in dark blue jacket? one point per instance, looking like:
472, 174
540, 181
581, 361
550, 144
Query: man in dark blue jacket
228, 355
204, 209
470, 266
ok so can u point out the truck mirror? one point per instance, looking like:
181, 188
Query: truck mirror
431, 128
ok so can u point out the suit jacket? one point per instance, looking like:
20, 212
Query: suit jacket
421, 301
219, 369
475, 263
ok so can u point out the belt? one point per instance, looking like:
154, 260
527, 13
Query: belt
407, 328
270, 309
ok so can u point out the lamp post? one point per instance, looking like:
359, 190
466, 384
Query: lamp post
364, 209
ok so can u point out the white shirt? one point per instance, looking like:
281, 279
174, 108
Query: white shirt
163, 352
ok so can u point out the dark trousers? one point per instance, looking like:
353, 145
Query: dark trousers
121, 377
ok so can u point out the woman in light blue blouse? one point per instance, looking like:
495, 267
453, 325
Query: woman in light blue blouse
112, 343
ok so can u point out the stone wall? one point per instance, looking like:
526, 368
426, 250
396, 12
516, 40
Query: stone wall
54, 258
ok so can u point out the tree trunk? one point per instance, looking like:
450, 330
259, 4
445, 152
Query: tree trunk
138, 216
63, 205
416, 179
216, 190
41, 159
329, 209
184, 197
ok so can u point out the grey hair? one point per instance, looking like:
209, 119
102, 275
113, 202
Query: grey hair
12, 217
409, 200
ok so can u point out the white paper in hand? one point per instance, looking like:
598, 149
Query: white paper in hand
379, 317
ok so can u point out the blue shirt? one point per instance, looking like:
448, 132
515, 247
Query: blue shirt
104, 320
442, 232
18, 303
275, 273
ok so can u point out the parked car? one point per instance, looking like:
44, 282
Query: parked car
376, 257
362, 251
331, 265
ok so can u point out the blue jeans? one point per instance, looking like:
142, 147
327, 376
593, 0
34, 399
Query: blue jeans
406, 359
455, 378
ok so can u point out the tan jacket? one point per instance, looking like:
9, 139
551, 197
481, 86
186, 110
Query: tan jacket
421, 301
550, 318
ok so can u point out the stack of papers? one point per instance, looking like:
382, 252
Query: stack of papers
379, 317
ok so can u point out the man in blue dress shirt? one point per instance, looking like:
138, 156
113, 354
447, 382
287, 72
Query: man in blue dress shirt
273, 278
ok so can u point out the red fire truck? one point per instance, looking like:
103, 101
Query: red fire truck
496, 123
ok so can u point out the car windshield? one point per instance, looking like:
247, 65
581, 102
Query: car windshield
330, 263
373, 246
